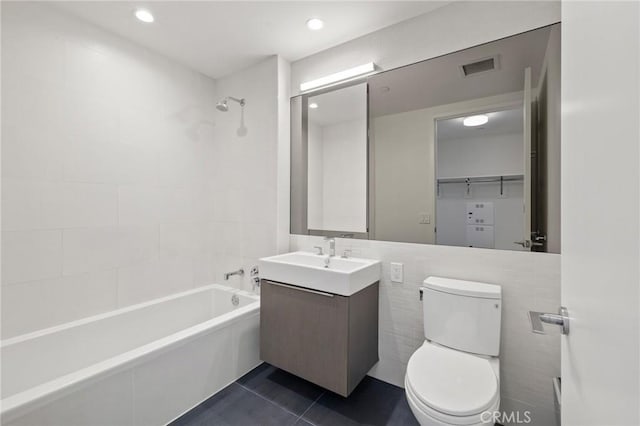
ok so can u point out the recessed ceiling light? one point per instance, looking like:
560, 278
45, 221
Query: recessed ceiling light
475, 120
144, 15
313, 105
315, 24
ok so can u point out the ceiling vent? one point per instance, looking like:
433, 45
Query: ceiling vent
481, 66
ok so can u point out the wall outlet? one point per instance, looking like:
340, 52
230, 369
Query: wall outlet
397, 272
424, 219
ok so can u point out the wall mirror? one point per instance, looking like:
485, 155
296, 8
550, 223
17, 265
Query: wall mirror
331, 152
462, 150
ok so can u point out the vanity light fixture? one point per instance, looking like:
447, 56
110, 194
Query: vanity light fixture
313, 105
475, 120
315, 24
339, 77
144, 15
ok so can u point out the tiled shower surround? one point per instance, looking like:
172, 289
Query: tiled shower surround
120, 180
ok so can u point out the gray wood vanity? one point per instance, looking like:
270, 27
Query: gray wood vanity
328, 339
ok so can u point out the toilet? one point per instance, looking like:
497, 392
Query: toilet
455, 375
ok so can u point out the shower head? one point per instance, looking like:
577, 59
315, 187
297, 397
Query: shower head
223, 105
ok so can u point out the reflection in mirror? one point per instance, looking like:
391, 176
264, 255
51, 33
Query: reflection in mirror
337, 160
479, 179
462, 150
465, 148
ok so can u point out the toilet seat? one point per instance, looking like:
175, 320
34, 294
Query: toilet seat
427, 416
453, 386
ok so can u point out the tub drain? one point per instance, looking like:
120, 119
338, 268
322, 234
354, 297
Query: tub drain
235, 300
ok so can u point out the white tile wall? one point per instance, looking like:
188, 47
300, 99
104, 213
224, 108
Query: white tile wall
120, 180
57, 300
245, 178
31, 255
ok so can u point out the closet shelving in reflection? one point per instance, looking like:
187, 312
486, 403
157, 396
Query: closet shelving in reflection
469, 180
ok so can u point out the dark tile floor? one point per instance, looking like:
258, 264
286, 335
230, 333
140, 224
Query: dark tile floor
269, 396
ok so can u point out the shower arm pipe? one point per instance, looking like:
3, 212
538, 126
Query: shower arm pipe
240, 101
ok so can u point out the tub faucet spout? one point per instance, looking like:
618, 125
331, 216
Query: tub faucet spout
238, 272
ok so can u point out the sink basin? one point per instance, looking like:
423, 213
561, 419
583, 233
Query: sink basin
342, 276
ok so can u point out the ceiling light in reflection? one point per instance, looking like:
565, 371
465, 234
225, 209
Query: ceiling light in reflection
475, 120
144, 15
315, 24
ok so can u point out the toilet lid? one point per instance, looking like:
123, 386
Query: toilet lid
452, 382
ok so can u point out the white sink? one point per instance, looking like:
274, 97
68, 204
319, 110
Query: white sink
343, 276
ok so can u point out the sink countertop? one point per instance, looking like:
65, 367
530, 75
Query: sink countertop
343, 276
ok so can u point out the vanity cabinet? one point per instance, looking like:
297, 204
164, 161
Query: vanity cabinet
327, 339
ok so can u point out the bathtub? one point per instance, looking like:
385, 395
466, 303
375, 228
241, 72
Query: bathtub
141, 365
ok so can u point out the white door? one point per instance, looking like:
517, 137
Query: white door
526, 209
601, 213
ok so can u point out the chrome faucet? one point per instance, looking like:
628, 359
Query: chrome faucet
332, 246
229, 274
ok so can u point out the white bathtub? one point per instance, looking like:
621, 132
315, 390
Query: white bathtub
142, 365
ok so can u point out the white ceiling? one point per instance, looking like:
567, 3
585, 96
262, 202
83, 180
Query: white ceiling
500, 123
220, 37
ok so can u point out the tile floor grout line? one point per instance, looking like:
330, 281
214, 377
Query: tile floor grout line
268, 400
309, 408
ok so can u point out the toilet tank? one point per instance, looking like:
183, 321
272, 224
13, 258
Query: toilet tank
463, 315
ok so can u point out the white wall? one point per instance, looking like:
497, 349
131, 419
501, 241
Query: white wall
447, 29
480, 156
120, 180
337, 176
403, 182
601, 152
344, 178
529, 280
283, 179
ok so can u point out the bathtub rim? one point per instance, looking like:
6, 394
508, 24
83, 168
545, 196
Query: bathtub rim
104, 315
23, 402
